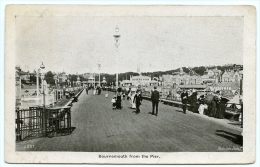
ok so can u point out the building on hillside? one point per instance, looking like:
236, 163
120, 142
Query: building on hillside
87, 75
26, 76
167, 80
181, 78
139, 80
212, 75
62, 77
231, 76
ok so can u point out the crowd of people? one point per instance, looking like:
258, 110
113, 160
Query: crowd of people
212, 105
134, 97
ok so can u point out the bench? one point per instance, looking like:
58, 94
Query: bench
173, 103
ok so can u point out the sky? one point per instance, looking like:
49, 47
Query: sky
77, 44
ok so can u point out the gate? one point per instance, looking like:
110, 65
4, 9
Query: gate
28, 123
37, 122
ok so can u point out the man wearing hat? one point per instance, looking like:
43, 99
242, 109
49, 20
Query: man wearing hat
184, 100
138, 100
155, 100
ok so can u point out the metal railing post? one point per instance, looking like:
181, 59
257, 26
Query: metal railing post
44, 121
18, 133
68, 111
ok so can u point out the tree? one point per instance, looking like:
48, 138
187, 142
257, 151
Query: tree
73, 77
49, 78
33, 78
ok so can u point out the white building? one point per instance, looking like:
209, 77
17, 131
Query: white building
139, 80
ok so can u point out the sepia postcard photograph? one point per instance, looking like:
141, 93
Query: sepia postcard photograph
130, 84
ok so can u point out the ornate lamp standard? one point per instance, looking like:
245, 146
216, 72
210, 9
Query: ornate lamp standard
37, 84
117, 37
99, 66
56, 81
42, 67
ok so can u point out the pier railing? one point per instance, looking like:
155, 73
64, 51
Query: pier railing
37, 122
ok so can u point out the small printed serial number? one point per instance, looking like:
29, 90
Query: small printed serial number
29, 146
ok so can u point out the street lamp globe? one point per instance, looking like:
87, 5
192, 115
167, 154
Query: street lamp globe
41, 70
117, 36
42, 66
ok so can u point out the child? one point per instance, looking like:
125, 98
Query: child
114, 102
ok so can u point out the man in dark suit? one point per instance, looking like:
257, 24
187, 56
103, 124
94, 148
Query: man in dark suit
155, 100
138, 100
184, 100
87, 90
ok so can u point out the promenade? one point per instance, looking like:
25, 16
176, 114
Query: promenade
99, 128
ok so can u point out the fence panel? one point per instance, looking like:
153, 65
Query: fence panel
37, 122
58, 121
28, 123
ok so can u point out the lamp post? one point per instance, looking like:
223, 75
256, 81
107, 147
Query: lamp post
37, 84
42, 67
56, 81
99, 66
94, 79
117, 37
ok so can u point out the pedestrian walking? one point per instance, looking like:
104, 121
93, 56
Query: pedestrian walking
99, 90
194, 102
94, 91
184, 100
113, 101
222, 108
86, 90
218, 98
213, 107
138, 101
155, 100
129, 94
106, 95
119, 99
124, 96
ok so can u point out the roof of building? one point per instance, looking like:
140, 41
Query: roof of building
193, 86
140, 76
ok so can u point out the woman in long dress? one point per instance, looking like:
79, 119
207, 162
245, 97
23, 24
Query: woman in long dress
132, 100
193, 102
213, 107
119, 99
222, 108
94, 91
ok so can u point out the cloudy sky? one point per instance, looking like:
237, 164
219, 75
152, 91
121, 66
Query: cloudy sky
77, 44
